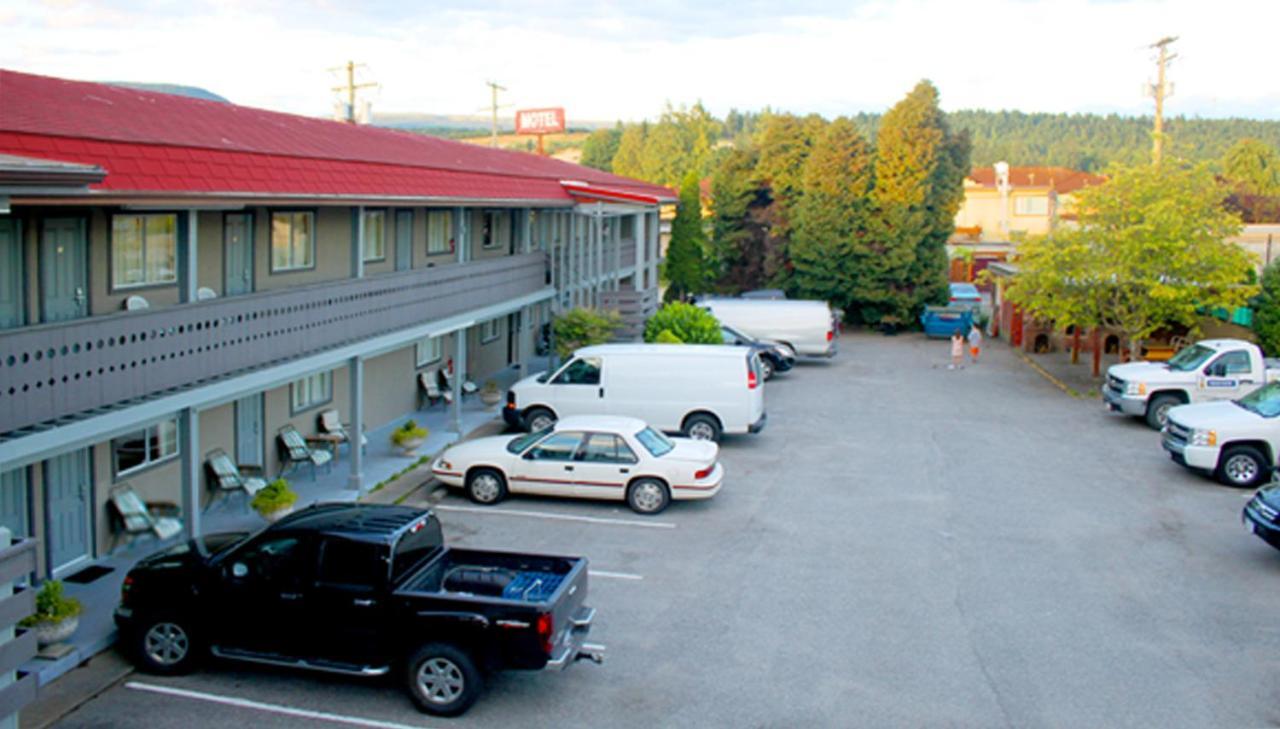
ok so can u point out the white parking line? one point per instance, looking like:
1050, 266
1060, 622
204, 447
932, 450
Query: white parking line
269, 708
614, 575
562, 517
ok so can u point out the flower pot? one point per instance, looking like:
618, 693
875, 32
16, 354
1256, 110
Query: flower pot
48, 632
277, 515
490, 398
409, 445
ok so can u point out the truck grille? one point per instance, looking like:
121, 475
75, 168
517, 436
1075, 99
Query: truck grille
1115, 384
1177, 433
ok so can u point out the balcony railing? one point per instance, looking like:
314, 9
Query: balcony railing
55, 371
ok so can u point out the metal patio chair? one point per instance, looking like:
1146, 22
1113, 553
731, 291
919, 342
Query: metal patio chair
294, 452
135, 518
227, 477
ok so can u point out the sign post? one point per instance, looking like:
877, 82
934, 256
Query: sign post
540, 122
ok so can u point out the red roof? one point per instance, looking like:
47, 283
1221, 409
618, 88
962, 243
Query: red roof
152, 142
1062, 179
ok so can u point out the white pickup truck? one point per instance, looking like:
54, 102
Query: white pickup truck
1235, 440
1213, 369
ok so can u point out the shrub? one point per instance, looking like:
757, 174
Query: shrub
52, 606
1266, 319
409, 431
583, 328
666, 337
273, 497
688, 323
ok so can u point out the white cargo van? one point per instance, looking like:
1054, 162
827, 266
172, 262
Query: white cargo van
808, 327
699, 390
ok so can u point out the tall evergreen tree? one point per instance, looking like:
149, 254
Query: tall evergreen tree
628, 161
600, 147
834, 259
685, 266
1253, 166
737, 238
784, 146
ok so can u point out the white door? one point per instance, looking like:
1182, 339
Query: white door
547, 468
578, 389
603, 467
1227, 377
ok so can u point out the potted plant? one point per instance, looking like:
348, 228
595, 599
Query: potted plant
408, 437
490, 394
275, 500
56, 616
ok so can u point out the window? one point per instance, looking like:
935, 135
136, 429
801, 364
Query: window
581, 371
439, 232
282, 560
375, 235
655, 442
312, 391
495, 232
351, 564
293, 242
1034, 205
489, 330
606, 448
430, 349
145, 448
144, 250
1232, 363
559, 447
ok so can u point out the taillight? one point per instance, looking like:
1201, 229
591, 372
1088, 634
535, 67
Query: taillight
830, 335
545, 629
699, 475
125, 587
511, 400
752, 381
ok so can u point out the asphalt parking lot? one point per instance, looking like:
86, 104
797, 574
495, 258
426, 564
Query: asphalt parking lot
903, 545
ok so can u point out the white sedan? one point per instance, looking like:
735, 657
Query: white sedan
586, 456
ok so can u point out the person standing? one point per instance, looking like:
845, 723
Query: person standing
975, 342
957, 350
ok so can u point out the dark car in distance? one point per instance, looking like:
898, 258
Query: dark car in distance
363, 590
1261, 516
774, 356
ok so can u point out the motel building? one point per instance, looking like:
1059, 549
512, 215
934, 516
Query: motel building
181, 276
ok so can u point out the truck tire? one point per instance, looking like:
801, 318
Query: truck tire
648, 496
701, 426
1158, 410
443, 679
166, 645
486, 486
1243, 467
538, 419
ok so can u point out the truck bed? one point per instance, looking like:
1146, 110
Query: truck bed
500, 576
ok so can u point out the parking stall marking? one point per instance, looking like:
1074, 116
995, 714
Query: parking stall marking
561, 517
614, 575
268, 708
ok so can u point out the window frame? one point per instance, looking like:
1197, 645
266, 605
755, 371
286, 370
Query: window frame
417, 351
1019, 200
573, 455
295, 408
179, 236
149, 433
449, 242
619, 445
271, 239
488, 337
382, 238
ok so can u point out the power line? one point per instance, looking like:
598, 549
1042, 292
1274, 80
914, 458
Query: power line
350, 87
1160, 90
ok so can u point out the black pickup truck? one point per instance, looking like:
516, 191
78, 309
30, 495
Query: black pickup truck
363, 590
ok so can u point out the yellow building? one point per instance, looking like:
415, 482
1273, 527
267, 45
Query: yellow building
1002, 200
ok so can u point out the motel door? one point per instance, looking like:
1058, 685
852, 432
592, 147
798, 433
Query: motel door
404, 240
68, 507
10, 274
237, 240
64, 285
13, 502
249, 431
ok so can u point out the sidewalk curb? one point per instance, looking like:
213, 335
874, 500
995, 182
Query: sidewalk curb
74, 689
1058, 383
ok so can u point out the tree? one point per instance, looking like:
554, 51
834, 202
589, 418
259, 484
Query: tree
685, 267
737, 242
834, 259
600, 147
784, 146
1266, 318
580, 327
1150, 251
687, 323
628, 161
1253, 166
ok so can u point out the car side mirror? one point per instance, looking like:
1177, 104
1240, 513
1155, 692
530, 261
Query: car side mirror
528, 456
238, 570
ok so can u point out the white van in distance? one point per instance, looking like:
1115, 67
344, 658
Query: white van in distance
808, 327
700, 390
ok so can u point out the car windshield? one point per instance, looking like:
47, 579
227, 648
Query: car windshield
1190, 358
1264, 401
655, 442
520, 443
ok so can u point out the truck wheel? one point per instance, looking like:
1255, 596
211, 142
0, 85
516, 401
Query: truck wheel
486, 486
443, 680
166, 645
538, 419
648, 496
1158, 410
1243, 467
701, 426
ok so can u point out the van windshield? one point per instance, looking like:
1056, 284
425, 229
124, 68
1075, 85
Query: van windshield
1190, 358
654, 442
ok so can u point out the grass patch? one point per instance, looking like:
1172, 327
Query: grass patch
383, 483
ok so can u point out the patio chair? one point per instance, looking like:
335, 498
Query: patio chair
468, 387
135, 518
331, 425
294, 452
227, 477
429, 382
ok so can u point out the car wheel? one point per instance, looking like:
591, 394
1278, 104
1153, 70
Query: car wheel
539, 419
701, 426
648, 496
443, 680
166, 645
1158, 410
766, 367
1243, 467
486, 486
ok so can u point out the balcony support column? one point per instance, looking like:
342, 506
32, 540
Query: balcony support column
637, 278
357, 243
459, 374
188, 260
189, 446
355, 385
463, 231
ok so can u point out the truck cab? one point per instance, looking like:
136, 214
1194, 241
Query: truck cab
1208, 371
1236, 440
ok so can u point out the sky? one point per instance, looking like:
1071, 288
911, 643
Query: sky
605, 59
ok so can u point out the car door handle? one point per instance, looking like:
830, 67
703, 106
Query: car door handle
362, 602
624, 470
602, 392
290, 596
568, 468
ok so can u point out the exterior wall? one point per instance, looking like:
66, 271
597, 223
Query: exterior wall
486, 358
1262, 240
209, 258
391, 387
983, 207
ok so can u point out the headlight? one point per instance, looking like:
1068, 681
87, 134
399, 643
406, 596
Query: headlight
1204, 437
1135, 388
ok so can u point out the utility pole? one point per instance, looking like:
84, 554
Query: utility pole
1160, 90
494, 88
350, 88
